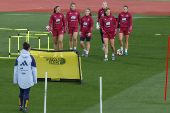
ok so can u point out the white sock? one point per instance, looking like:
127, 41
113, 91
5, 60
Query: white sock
121, 48
71, 48
84, 49
87, 52
125, 50
113, 54
105, 56
75, 48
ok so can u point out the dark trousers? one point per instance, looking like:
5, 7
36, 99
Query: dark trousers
24, 95
101, 33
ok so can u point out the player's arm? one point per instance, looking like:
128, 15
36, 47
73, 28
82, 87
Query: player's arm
115, 26
118, 20
64, 23
50, 22
131, 22
102, 25
91, 26
98, 18
34, 70
16, 72
67, 15
79, 18
81, 26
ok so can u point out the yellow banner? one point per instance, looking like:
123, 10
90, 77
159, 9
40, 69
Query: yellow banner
59, 65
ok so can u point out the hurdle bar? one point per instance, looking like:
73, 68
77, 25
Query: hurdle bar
18, 44
41, 35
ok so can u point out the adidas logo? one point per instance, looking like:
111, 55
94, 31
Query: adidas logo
24, 63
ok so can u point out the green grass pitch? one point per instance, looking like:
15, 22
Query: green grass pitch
131, 84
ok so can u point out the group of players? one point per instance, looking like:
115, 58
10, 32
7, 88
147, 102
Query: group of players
108, 28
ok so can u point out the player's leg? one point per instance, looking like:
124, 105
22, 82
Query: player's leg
105, 39
55, 39
75, 39
101, 33
112, 48
88, 45
82, 45
21, 97
71, 41
60, 42
26, 98
126, 43
121, 41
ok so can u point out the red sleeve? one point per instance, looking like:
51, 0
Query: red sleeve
131, 22
115, 23
64, 26
81, 25
79, 18
66, 19
101, 24
98, 18
118, 19
51, 20
91, 24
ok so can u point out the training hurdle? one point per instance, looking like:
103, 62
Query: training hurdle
27, 39
39, 34
18, 43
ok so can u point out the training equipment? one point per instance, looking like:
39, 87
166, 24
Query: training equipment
45, 95
100, 94
62, 65
167, 68
47, 28
119, 52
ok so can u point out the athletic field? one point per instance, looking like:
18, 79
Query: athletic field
131, 84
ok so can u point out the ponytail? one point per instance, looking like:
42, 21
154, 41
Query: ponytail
55, 8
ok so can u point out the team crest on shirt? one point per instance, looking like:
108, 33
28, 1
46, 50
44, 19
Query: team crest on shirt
110, 18
126, 15
88, 19
104, 19
76, 13
54, 16
121, 15
102, 15
70, 13
60, 16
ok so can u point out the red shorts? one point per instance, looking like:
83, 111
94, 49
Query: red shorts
124, 30
57, 32
109, 35
84, 35
71, 30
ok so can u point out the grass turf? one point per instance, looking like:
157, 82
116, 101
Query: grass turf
130, 83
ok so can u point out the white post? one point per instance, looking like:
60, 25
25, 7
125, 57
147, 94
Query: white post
45, 95
100, 94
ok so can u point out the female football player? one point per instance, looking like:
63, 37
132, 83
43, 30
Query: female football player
58, 27
125, 19
100, 15
86, 31
73, 17
109, 29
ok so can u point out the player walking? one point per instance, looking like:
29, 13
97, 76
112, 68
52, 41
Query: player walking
100, 15
109, 29
58, 27
125, 19
25, 74
86, 31
73, 17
